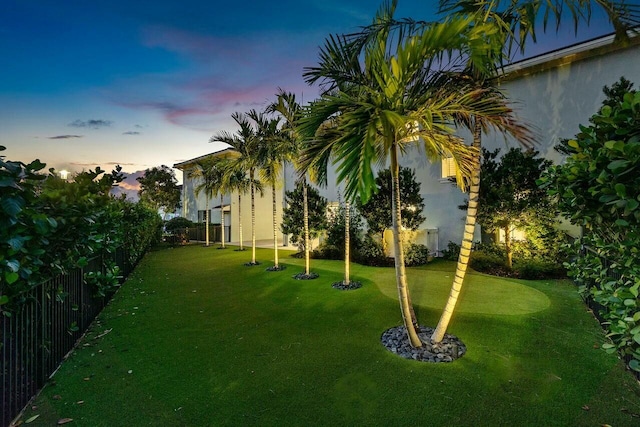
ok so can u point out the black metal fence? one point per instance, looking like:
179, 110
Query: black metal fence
199, 233
38, 336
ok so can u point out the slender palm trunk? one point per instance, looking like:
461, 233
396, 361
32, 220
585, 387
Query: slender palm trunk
347, 242
305, 215
222, 221
240, 219
507, 245
467, 241
401, 277
275, 225
206, 224
253, 218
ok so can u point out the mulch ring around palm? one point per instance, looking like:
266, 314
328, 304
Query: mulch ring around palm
304, 276
347, 286
276, 268
449, 349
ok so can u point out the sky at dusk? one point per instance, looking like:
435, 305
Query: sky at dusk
146, 83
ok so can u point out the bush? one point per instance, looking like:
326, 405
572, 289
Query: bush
327, 251
177, 223
452, 252
371, 253
532, 269
489, 263
416, 255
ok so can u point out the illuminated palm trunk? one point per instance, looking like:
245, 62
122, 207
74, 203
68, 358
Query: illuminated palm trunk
305, 210
347, 242
467, 241
240, 220
221, 221
206, 224
401, 277
275, 225
253, 219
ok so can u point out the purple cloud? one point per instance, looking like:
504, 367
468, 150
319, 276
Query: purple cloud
131, 132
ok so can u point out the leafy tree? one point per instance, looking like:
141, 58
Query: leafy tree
509, 195
292, 216
159, 189
598, 188
377, 211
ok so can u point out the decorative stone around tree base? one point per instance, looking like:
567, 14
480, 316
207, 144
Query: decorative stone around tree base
276, 268
240, 250
448, 350
251, 264
347, 287
302, 276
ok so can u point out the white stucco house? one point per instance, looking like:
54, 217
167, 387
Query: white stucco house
554, 93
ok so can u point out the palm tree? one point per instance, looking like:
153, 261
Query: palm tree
210, 182
246, 143
395, 98
274, 150
291, 111
513, 26
238, 180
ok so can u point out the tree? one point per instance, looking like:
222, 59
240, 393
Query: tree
509, 195
273, 151
293, 215
598, 188
399, 96
246, 143
210, 173
159, 189
238, 180
377, 211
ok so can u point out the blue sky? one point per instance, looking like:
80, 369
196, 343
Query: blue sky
145, 83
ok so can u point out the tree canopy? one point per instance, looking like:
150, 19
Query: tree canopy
292, 216
159, 189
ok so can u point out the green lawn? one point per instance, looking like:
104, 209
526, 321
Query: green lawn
198, 339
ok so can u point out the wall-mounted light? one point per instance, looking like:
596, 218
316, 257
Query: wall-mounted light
64, 174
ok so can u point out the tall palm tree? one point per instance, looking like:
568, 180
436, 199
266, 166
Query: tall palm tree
210, 181
513, 21
237, 180
275, 149
291, 112
247, 144
396, 97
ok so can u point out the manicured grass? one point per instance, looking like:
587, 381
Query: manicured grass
198, 339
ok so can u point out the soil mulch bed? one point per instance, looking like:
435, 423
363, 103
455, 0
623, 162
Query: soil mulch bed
448, 350
347, 287
276, 268
303, 276
251, 264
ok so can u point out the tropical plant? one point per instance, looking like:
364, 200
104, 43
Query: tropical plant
274, 149
159, 189
209, 172
399, 96
293, 218
246, 144
291, 111
598, 188
238, 180
377, 211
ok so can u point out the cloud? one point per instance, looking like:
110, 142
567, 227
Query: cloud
91, 123
131, 132
129, 186
65, 136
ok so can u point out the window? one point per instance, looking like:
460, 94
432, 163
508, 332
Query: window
448, 168
202, 216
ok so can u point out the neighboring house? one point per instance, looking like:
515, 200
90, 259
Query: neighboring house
194, 206
554, 93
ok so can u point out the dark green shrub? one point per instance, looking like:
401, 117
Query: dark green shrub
327, 251
488, 263
452, 252
371, 253
177, 223
416, 255
532, 269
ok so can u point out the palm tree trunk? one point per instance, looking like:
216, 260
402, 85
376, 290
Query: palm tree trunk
347, 242
253, 218
401, 277
206, 224
305, 215
507, 245
222, 221
275, 225
240, 220
467, 241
